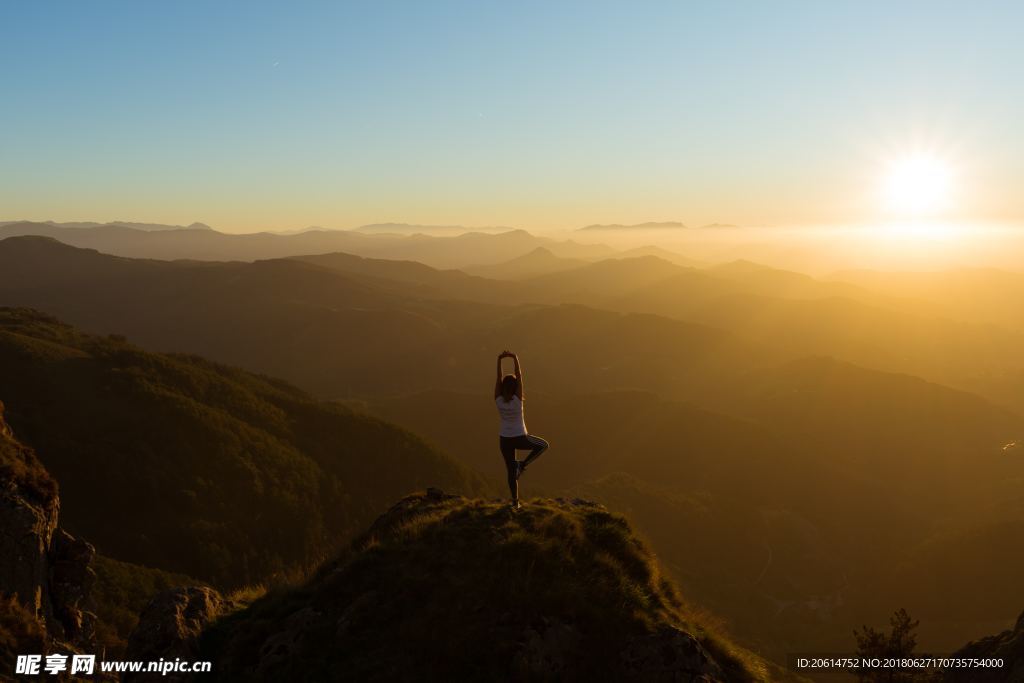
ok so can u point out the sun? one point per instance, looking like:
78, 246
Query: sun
918, 185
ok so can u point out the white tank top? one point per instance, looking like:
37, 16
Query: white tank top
511, 413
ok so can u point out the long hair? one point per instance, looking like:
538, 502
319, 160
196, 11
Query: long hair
509, 386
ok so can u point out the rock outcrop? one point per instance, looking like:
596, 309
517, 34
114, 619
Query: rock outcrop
1007, 646
47, 568
668, 655
27, 527
169, 629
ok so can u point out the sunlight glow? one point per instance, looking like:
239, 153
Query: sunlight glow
918, 185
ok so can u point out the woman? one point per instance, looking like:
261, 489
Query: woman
508, 395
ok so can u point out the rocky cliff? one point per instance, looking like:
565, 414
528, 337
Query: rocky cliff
1007, 646
46, 569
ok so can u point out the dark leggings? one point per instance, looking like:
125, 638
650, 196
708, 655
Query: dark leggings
509, 445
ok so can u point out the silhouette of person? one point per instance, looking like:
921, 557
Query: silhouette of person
513, 436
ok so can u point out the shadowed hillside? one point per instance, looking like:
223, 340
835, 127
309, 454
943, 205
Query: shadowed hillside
447, 588
207, 470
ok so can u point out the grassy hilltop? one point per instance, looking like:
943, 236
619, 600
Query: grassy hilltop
450, 588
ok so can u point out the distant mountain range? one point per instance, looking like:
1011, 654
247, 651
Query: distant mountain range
411, 229
666, 225
652, 225
773, 314
540, 261
439, 251
147, 227
792, 447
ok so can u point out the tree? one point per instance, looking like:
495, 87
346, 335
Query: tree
900, 643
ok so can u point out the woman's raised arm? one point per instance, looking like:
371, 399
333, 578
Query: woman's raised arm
497, 378
519, 376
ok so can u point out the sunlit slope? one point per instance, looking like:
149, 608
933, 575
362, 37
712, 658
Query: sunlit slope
178, 463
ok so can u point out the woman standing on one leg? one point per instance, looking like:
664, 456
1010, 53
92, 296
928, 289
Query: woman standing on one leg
508, 395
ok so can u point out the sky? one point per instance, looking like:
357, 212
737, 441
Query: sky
542, 115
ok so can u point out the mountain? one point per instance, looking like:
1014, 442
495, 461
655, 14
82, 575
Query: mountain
817, 497
809, 317
1003, 654
444, 251
147, 227
655, 280
345, 333
414, 278
540, 261
412, 229
665, 254
668, 225
234, 312
46, 575
449, 588
805, 315
606, 279
983, 295
937, 430
177, 463
766, 281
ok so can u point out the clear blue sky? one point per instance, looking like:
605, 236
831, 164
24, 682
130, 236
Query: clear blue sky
257, 115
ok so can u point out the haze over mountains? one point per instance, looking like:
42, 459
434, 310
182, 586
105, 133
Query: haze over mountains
147, 227
800, 452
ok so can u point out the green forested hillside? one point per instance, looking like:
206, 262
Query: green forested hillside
175, 462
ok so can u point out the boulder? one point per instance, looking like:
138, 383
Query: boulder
169, 628
71, 581
669, 655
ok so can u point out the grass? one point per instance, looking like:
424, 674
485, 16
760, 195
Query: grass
449, 588
20, 633
19, 464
